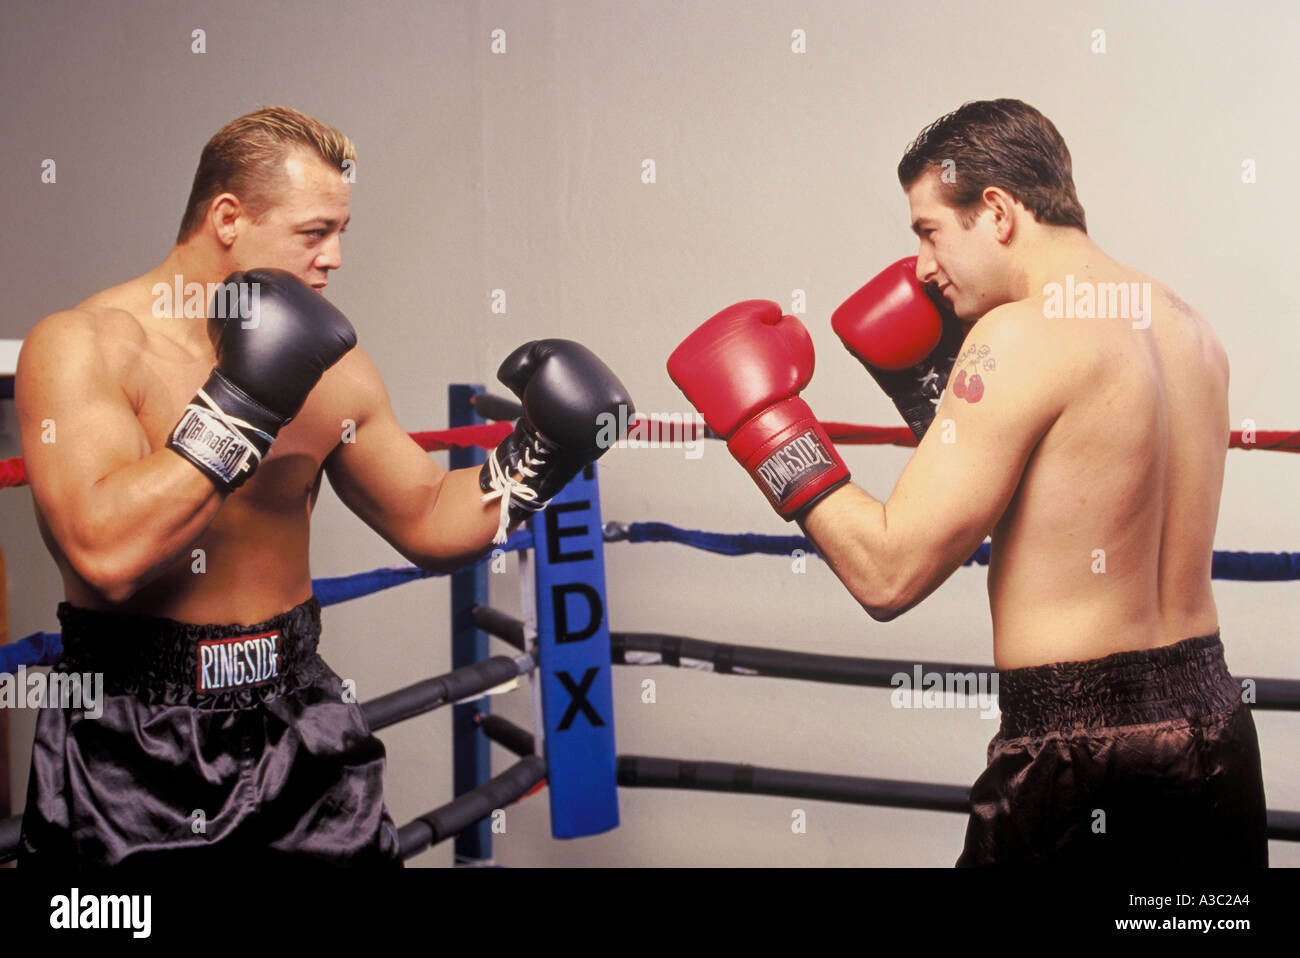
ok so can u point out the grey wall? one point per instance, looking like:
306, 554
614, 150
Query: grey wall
775, 173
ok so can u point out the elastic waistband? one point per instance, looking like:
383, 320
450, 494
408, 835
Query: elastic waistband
165, 660
1188, 679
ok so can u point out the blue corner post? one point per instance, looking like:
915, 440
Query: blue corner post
471, 762
574, 661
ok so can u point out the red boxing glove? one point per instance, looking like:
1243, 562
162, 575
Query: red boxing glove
743, 370
907, 343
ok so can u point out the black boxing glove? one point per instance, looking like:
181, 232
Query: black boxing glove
275, 337
572, 403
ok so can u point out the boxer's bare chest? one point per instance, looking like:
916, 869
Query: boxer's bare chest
160, 374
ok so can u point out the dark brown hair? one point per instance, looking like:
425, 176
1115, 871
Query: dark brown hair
1002, 143
246, 157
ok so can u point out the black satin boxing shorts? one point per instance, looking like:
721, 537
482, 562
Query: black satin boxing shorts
217, 745
1142, 759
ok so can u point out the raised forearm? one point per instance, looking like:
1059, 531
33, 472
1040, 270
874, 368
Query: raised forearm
889, 556
850, 531
442, 520
138, 520
459, 526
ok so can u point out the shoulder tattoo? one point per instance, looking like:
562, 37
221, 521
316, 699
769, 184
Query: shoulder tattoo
967, 381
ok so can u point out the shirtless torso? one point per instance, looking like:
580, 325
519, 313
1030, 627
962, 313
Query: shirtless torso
133, 380
1132, 467
135, 528
1094, 459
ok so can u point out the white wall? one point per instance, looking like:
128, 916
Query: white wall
775, 173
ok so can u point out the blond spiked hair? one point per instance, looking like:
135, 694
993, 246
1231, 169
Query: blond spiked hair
246, 157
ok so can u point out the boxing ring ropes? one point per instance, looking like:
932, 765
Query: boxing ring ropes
478, 422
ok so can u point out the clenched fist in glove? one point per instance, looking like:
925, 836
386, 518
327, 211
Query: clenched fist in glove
269, 358
743, 370
906, 342
570, 398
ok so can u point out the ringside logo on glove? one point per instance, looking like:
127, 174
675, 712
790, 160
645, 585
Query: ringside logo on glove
793, 465
270, 355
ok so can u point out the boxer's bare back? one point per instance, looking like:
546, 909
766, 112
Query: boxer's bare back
1107, 542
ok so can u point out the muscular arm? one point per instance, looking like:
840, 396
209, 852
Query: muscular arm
431, 516
891, 555
120, 515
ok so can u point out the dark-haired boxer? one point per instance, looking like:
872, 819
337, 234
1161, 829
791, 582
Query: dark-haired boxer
223, 736
1088, 439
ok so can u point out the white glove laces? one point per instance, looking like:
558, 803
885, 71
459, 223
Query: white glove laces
509, 489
